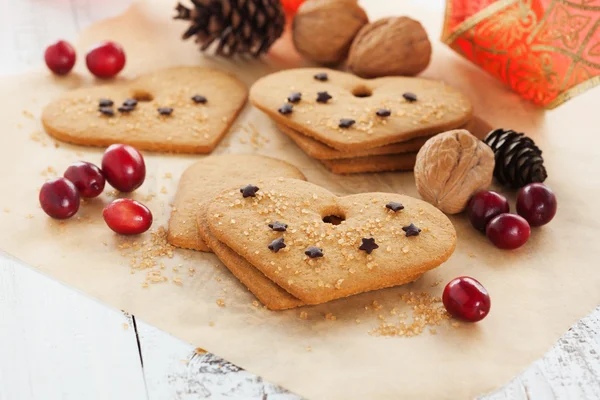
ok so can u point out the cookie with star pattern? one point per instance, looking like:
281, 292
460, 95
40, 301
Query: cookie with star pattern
332, 246
177, 109
351, 114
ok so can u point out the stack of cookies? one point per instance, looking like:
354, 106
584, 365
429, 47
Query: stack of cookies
293, 243
353, 125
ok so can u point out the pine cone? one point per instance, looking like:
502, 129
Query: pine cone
239, 26
518, 160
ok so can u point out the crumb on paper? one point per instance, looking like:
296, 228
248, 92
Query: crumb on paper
167, 175
427, 312
308, 348
200, 351
303, 315
220, 302
330, 317
211, 323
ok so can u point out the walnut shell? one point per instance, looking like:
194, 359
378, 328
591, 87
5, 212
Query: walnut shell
451, 167
323, 30
390, 46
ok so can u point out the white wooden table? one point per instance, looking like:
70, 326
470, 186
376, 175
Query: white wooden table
57, 343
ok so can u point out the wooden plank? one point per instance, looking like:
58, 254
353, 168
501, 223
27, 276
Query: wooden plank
55, 343
176, 370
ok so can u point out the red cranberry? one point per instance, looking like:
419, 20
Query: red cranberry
508, 231
536, 203
59, 198
60, 57
88, 178
484, 206
105, 60
465, 298
123, 167
127, 217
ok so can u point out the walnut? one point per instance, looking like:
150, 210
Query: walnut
323, 30
390, 46
451, 167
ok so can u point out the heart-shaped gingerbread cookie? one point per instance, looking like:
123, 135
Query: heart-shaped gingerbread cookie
286, 228
349, 113
179, 109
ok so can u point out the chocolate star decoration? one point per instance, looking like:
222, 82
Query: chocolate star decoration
107, 111
278, 226
394, 206
295, 97
286, 109
410, 97
368, 245
199, 99
314, 252
411, 230
249, 191
346, 123
383, 112
277, 245
323, 97
125, 109
165, 110
321, 77
130, 103
105, 103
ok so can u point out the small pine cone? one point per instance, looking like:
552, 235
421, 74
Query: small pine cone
518, 160
238, 26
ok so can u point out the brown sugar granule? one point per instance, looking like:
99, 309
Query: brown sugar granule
330, 317
303, 315
221, 302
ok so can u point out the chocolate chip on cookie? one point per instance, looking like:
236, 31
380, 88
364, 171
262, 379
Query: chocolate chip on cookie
165, 110
321, 77
199, 99
411, 230
383, 112
107, 111
295, 97
249, 191
278, 226
394, 206
410, 97
277, 245
314, 252
368, 245
105, 103
130, 102
323, 97
285, 109
346, 123
125, 109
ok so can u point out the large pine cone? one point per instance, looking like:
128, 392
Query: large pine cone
238, 26
518, 160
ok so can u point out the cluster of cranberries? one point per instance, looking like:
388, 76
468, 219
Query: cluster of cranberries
124, 168
464, 297
489, 213
104, 60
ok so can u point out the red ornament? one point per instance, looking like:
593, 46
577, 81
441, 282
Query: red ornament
86, 177
127, 217
105, 60
536, 203
291, 6
508, 231
60, 57
59, 198
123, 167
484, 206
465, 298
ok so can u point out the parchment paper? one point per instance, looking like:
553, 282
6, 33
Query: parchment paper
537, 292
